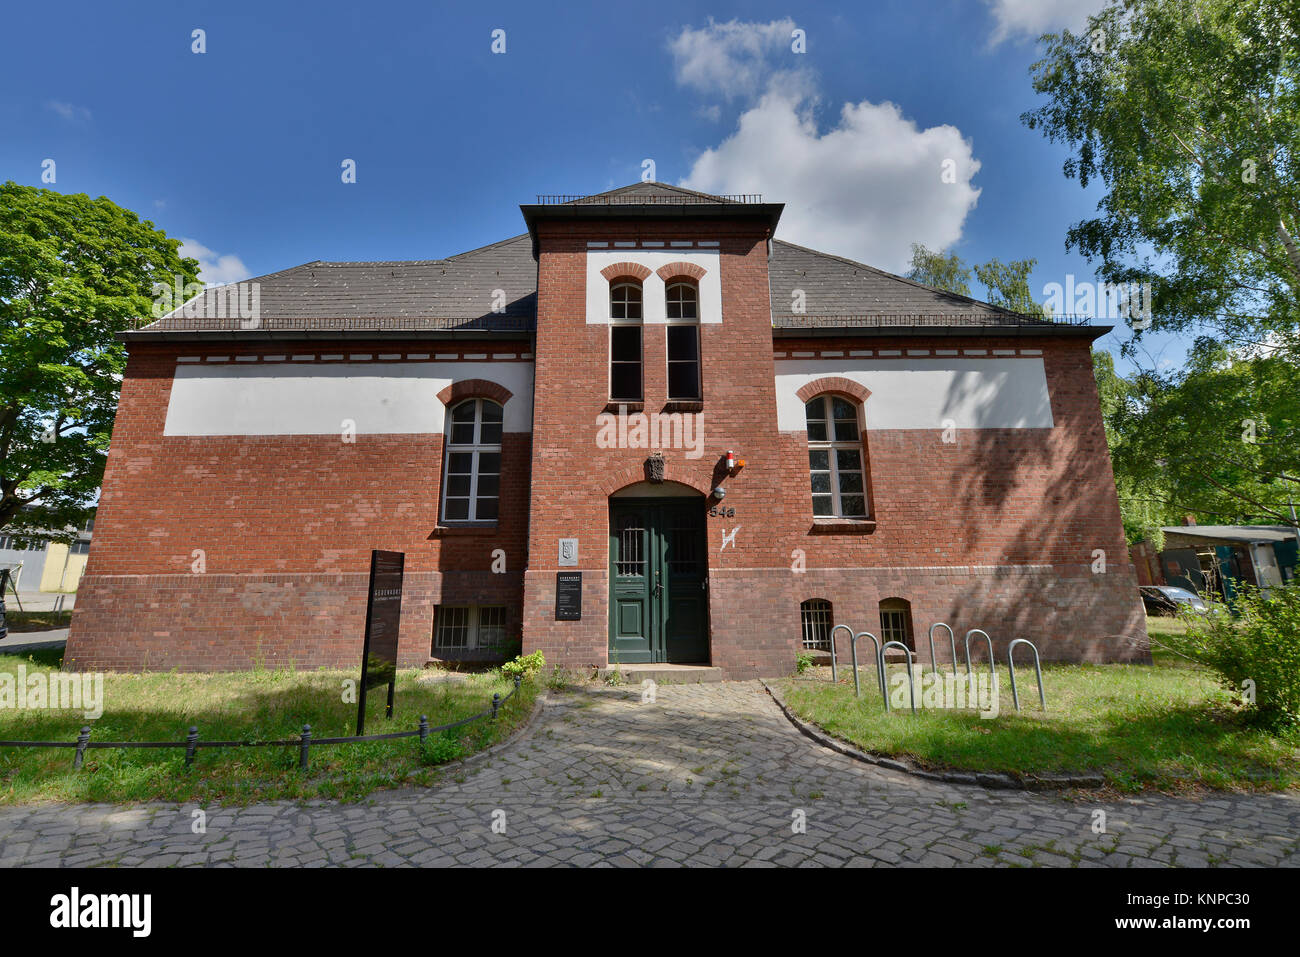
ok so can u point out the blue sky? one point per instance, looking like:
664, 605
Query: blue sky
238, 149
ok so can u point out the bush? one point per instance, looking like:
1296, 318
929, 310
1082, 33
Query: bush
524, 666
1256, 654
803, 661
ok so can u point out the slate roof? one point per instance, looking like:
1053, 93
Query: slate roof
456, 295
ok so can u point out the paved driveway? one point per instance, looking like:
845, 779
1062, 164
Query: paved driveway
705, 775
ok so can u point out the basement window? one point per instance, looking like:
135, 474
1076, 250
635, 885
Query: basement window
896, 622
469, 627
815, 617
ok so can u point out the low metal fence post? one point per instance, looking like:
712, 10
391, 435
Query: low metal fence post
83, 739
911, 684
880, 668
952, 641
1038, 668
496, 704
304, 747
970, 678
191, 743
834, 670
424, 728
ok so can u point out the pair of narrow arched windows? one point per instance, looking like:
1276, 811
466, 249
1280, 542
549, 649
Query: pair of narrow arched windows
682, 345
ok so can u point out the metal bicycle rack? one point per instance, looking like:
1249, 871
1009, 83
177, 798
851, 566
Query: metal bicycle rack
834, 676
1011, 664
911, 685
880, 664
952, 640
992, 674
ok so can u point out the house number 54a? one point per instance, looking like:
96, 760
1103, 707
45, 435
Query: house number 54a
722, 511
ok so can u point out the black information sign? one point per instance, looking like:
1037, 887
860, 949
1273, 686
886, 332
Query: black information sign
383, 620
568, 596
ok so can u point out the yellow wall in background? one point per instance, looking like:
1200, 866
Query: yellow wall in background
62, 571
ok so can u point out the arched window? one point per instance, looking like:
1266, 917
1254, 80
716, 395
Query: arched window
835, 461
896, 622
625, 342
683, 311
815, 617
471, 483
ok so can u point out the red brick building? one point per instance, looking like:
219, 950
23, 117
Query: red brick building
564, 402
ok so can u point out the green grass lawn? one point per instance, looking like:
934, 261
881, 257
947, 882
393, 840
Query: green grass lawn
245, 706
22, 621
1169, 727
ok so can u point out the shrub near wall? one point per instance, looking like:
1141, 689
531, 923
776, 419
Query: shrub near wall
1255, 654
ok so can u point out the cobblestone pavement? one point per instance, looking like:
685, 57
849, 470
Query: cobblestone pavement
706, 775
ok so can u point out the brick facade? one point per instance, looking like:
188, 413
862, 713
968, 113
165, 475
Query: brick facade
1000, 529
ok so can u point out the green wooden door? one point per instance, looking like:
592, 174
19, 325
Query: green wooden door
658, 602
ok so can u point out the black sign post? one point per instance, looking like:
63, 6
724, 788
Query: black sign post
383, 620
568, 596
4, 583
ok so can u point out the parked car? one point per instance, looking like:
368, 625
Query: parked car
1170, 600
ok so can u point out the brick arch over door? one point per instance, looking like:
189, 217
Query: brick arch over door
474, 389
854, 390
626, 271
681, 270
632, 474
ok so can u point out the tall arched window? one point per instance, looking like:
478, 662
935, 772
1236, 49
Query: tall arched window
683, 311
625, 342
471, 484
835, 461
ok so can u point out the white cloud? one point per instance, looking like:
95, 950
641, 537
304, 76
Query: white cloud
69, 111
1032, 18
865, 189
214, 269
730, 58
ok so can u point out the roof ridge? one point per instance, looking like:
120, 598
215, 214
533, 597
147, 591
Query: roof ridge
479, 249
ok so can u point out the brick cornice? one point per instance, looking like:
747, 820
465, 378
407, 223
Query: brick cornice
854, 390
681, 270
626, 271
474, 389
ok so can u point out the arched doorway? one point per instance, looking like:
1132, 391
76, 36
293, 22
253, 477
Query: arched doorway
658, 573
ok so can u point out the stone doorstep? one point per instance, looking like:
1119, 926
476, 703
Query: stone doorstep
995, 781
664, 673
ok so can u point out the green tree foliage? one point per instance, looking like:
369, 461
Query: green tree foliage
938, 271
1145, 505
74, 271
1189, 112
1007, 283
1255, 653
1218, 439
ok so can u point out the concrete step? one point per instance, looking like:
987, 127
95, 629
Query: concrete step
664, 673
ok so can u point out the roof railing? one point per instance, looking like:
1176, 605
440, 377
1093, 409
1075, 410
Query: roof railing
489, 323
884, 320
641, 199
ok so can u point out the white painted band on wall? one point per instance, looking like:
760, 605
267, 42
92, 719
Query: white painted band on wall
924, 393
388, 398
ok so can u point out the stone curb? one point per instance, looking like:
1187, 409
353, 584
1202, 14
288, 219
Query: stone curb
523, 731
996, 781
